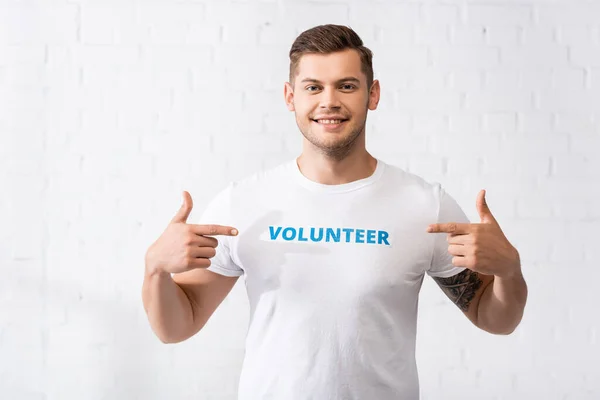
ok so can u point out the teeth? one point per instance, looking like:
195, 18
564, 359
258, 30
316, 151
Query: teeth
330, 121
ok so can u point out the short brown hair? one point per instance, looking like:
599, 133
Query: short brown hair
325, 39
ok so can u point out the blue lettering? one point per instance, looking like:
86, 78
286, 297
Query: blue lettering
333, 234
352, 235
289, 230
300, 237
383, 235
275, 233
348, 232
312, 235
360, 236
371, 236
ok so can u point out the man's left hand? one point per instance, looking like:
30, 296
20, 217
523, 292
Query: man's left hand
481, 247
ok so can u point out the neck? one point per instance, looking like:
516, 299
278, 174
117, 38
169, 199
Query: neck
318, 167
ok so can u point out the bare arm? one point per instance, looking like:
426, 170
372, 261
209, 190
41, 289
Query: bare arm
502, 304
179, 307
465, 290
491, 290
492, 303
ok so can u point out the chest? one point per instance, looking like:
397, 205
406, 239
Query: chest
357, 248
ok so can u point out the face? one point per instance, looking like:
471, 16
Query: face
330, 99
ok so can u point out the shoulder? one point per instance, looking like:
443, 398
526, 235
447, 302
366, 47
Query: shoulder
268, 178
411, 183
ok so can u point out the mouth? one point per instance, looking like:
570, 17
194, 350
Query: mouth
330, 123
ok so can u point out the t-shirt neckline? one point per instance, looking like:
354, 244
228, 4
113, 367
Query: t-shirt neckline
340, 188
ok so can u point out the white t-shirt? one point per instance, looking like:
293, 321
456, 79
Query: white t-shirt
333, 274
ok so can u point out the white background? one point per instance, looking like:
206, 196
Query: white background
110, 109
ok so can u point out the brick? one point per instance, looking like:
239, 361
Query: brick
469, 35
510, 164
568, 79
111, 24
440, 14
402, 57
402, 34
465, 79
465, 57
426, 79
575, 165
531, 144
563, 14
569, 100
575, 35
593, 79
429, 123
499, 101
463, 144
585, 56
240, 34
502, 35
395, 142
538, 35
584, 142
425, 165
506, 14
534, 56
168, 23
576, 122
501, 79
464, 165
432, 35
242, 14
37, 23
500, 122
464, 123
277, 33
15, 55
535, 122
535, 79
392, 15
430, 100
317, 14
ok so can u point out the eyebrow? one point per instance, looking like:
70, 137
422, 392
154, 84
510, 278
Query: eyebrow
346, 79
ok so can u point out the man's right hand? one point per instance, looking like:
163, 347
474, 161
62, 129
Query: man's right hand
182, 246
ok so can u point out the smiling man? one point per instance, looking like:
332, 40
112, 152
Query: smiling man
333, 247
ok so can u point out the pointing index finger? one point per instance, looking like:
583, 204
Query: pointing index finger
450, 227
213, 230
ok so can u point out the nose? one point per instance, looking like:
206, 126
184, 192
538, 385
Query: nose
329, 99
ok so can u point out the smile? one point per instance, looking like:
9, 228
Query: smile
329, 121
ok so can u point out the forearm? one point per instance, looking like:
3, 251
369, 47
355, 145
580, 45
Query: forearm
168, 308
502, 305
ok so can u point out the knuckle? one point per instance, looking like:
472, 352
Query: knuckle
212, 229
452, 227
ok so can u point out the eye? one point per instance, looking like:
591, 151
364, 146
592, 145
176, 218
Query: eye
312, 86
348, 86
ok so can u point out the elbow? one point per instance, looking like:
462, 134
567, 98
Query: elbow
501, 330
179, 336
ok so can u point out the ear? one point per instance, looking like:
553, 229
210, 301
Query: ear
374, 95
288, 94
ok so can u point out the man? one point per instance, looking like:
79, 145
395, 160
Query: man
333, 246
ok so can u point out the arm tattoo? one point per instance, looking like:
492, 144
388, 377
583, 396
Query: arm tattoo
460, 288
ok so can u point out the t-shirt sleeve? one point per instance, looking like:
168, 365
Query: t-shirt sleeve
218, 211
441, 260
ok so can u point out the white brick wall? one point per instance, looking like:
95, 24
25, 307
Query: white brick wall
109, 109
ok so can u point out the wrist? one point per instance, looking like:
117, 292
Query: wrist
153, 268
514, 271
